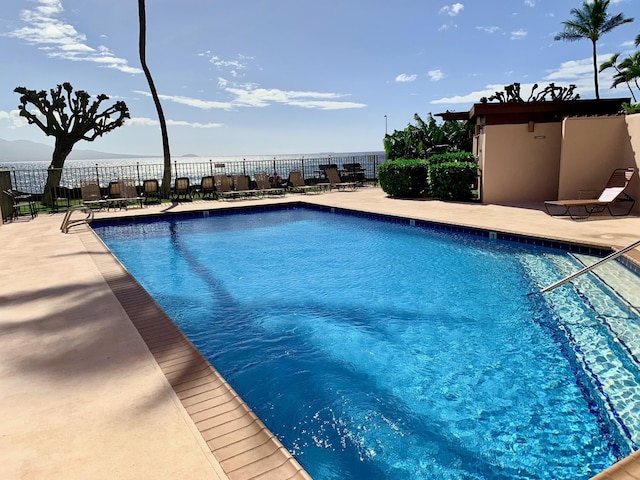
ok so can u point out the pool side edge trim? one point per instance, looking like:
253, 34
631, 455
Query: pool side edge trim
196, 383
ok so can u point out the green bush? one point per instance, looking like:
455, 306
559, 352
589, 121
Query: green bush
451, 157
452, 180
403, 178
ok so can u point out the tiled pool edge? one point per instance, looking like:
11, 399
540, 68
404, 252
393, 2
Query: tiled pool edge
576, 247
242, 444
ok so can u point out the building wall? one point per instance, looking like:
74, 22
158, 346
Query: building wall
592, 147
518, 165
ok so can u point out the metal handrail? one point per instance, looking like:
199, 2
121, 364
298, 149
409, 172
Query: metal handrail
67, 223
591, 267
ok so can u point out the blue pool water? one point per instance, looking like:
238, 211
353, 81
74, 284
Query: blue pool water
376, 350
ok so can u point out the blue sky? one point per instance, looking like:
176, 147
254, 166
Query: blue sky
249, 77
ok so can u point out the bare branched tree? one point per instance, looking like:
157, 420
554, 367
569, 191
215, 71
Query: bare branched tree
69, 117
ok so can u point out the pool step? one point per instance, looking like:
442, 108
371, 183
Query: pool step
604, 333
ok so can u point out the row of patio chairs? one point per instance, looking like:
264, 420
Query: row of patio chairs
225, 187
120, 194
124, 192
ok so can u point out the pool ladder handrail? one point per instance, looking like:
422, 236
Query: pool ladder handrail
611, 256
67, 223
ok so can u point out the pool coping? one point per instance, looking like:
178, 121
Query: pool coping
238, 439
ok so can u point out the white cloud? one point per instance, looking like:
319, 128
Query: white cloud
250, 95
518, 34
452, 10
404, 78
191, 102
14, 118
435, 75
145, 121
472, 97
492, 29
44, 29
530, 3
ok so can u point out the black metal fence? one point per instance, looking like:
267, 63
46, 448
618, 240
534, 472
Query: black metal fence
33, 181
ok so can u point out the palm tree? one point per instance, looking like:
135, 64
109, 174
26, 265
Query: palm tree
638, 41
591, 21
142, 45
628, 71
620, 74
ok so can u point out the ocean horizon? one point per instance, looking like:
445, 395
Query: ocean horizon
184, 159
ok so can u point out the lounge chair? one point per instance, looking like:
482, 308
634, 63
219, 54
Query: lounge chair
265, 187
297, 183
60, 197
242, 186
122, 193
613, 194
91, 195
208, 187
224, 186
336, 182
182, 189
151, 191
352, 172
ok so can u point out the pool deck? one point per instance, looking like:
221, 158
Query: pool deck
96, 382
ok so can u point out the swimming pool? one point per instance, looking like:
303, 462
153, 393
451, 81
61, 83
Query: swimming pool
379, 350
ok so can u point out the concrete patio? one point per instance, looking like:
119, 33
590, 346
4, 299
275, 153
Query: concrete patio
83, 395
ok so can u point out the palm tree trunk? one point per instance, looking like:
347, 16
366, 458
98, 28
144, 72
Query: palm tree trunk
595, 70
166, 176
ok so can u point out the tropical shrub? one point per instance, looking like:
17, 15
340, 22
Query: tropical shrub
428, 137
630, 109
403, 178
452, 180
452, 157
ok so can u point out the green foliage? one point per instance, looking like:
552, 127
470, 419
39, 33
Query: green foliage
403, 178
630, 109
452, 180
426, 138
451, 157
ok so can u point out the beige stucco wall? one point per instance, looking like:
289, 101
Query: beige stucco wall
519, 165
592, 147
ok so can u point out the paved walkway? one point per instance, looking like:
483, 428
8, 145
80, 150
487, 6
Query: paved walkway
81, 395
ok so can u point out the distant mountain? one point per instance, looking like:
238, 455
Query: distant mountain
26, 151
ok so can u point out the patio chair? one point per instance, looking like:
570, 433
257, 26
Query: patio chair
352, 172
91, 195
242, 186
182, 189
151, 191
208, 187
224, 186
60, 197
265, 187
21, 203
613, 194
122, 193
129, 192
296, 180
336, 182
